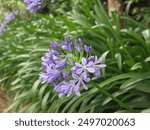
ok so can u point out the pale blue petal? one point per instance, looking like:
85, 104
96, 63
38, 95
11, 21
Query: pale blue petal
86, 79
77, 93
84, 61
101, 66
79, 71
77, 64
97, 72
91, 70
75, 76
84, 86
76, 87
89, 64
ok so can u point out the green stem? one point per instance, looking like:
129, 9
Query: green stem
114, 98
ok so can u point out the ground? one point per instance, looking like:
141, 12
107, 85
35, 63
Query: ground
4, 100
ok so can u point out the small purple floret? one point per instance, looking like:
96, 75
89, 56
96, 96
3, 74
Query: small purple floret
34, 5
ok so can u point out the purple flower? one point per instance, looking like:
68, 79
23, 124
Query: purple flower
72, 62
88, 49
67, 88
80, 79
74, 69
65, 46
2, 29
80, 41
50, 76
67, 39
79, 48
44, 77
85, 66
66, 71
97, 66
50, 58
91, 58
75, 43
34, 5
66, 75
71, 47
72, 86
54, 45
9, 17
61, 64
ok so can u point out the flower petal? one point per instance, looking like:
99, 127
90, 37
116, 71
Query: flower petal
86, 79
84, 74
65, 47
101, 66
77, 64
97, 72
84, 86
99, 60
84, 61
69, 92
77, 93
91, 70
74, 68
75, 76
76, 87
79, 71
61, 64
89, 64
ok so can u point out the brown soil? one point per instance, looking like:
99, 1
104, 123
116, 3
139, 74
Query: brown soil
4, 100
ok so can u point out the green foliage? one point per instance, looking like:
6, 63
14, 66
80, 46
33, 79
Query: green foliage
124, 85
139, 10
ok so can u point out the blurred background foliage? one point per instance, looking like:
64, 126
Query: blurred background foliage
125, 84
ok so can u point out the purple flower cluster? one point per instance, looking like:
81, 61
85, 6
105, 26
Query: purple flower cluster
34, 5
8, 18
65, 70
2, 29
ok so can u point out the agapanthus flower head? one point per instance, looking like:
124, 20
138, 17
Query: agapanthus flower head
34, 5
8, 18
2, 29
63, 68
